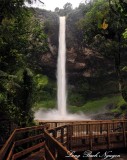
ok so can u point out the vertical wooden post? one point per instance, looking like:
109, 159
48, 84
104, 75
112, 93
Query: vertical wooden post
69, 139
87, 128
90, 135
101, 128
72, 129
113, 126
124, 133
62, 135
54, 133
108, 135
55, 124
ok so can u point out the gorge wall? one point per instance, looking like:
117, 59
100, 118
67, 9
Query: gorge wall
87, 71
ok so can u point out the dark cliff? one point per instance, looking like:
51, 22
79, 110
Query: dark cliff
84, 66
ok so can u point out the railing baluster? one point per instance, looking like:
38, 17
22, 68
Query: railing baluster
15, 141
108, 135
124, 133
87, 134
90, 135
62, 135
54, 133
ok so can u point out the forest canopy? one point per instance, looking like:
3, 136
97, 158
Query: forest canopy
22, 38
101, 27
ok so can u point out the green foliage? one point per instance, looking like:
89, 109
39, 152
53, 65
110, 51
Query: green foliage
93, 18
121, 102
48, 104
119, 7
46, 94
67, 8
125, 34
103, 40
22, 38
124, 68
96, 105
76, 99
121, 107
103, 26
40, 81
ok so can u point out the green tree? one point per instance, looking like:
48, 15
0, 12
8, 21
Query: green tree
27, 99
22, 38
67, 6
103, 28
57, 9
119, 7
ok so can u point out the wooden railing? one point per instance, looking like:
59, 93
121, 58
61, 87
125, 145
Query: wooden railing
92, 135
58, 123
57, 144
22, 142
25, 141
98, 135
59, 141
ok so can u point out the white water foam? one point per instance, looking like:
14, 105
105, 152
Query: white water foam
54, 114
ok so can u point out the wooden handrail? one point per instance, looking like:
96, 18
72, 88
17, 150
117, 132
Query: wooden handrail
26, 129
77, 121
60, 139
58, 147
11, 151
29, 139
28, 150
57, 123
57, 128
7, 150
6, 146
48, 153
107, 132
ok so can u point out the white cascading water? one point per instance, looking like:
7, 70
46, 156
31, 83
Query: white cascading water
61, 112
61, 70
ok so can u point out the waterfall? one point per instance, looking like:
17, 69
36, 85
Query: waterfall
61, 112
61, 69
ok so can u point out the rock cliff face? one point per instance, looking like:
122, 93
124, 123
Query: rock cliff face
82, 62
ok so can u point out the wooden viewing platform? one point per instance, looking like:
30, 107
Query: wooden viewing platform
53, 140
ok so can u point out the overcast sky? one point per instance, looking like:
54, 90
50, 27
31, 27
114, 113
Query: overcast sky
52, 4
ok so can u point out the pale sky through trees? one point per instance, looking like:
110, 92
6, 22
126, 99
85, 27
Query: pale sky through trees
52, 4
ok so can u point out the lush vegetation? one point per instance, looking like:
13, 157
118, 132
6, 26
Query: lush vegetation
104, 25
98, 26
67, 8
103, 28
22, 38
98, 105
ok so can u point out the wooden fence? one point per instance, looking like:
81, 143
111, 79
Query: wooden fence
58, 123
98, 135
57, 143
92, 135
23, 142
